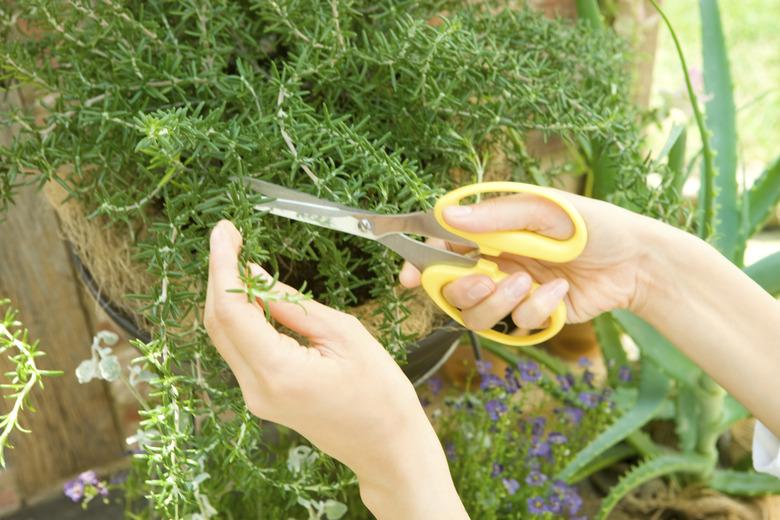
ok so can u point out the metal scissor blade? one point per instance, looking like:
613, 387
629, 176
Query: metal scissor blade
415, 252
298, 198
422, 255
330, 218
418, 223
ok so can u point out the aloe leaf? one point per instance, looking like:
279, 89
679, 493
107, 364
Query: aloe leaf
645, 445
721, 122
733, 411
588, 10
671, 140
676, 161
687, 420
706, 195
744, 483
648, 470
656, 347
608, 336
611, 456
653, 388
762, 198
766, 273
604, 170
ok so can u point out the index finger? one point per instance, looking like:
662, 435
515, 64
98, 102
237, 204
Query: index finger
241, 323
514, 212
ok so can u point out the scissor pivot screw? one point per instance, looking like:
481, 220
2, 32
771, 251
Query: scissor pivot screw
364, 225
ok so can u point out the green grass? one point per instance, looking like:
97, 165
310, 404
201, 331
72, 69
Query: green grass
753, 40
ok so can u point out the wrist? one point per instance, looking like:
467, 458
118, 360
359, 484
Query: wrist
413, 480
664, 260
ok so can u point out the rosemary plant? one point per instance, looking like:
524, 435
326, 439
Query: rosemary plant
22, 354
152, 107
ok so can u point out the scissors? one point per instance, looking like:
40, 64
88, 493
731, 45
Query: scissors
438, 266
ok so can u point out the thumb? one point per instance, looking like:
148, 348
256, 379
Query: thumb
311, 319
515, 212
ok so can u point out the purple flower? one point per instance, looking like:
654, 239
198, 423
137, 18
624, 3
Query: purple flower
102, 489
119, 478
536, 506
88, 478
74, 489
535, 478
540, 449
537, 426
497, 469
511, 485
449, 450
589, 399
559, 486
624, 373
587, 377
570, 499
512, 384
557, 438
554, 505
529, 371
435, 385
489, 381
495, 407
574, 414
565, 381
572, 502
483, 367
584, 362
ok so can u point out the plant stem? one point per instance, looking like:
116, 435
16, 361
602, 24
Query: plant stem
706, 212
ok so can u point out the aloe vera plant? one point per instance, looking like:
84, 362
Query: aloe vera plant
669, 380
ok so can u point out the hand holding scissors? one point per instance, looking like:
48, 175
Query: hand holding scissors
441, 267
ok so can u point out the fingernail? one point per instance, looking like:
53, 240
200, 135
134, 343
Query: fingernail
518, 287
217, 234
557, 289
258, 271
479, 290
457, 211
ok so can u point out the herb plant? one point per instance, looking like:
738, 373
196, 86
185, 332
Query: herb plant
23, 354
151, 109
507, 439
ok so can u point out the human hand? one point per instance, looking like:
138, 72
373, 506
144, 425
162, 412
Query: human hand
343, 392
604, 277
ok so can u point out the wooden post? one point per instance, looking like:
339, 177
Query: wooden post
73, 427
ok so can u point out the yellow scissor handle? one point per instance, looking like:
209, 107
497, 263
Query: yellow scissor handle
435, 277
519, 242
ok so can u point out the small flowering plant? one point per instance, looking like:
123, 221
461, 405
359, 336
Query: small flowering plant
85, 488
506, 437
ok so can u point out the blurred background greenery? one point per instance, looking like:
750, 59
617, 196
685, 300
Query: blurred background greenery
753, 40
